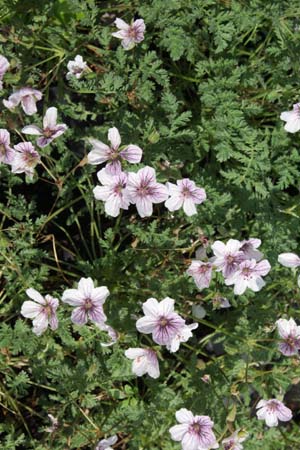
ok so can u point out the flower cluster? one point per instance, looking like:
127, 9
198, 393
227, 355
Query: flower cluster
23, 157
240, 263
87, 299
119, 189
167, 328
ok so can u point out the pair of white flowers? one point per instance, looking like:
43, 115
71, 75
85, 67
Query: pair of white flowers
195, 432
240, 262
87, 299
23, 157
167, 328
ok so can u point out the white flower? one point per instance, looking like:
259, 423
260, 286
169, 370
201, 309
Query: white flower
144, 361
160, 320
184, 195
289, 259
201, 273
234, 441
88, 301
194, 432
113, 192
249, 274
76, 67
25, 159
130, 34
27, 97
42, 310
51, 129
105, 444
292, 119
144, 190
112, 154
289, 331
273, 410
227, 256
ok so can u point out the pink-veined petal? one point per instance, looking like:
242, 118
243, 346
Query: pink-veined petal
114, 138
50, 118
73, 297
31, 309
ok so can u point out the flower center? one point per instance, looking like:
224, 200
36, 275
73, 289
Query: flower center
230, 259
195, 428
272, 406
290, 341
203, 269
163, 321
88, 304
48, 310
47, 132
30, 159
143, 190
118, 188
132, 32
186, 192
247, 272
229, 445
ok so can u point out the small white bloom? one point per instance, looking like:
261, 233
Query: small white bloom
292, 119
273, 410
234, 441
144, 361
105, 444
185, 194
130, 34
76, 67
113, 192
25, 159
289, 331
249, 274
289, 260
27, 97
51, 129
194, 432
227, 256
42, 311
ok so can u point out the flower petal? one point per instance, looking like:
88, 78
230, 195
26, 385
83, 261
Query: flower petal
50, 118
114, 138
132, 153
36, 296
31, 309
32, 129
79, 316
183, 415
